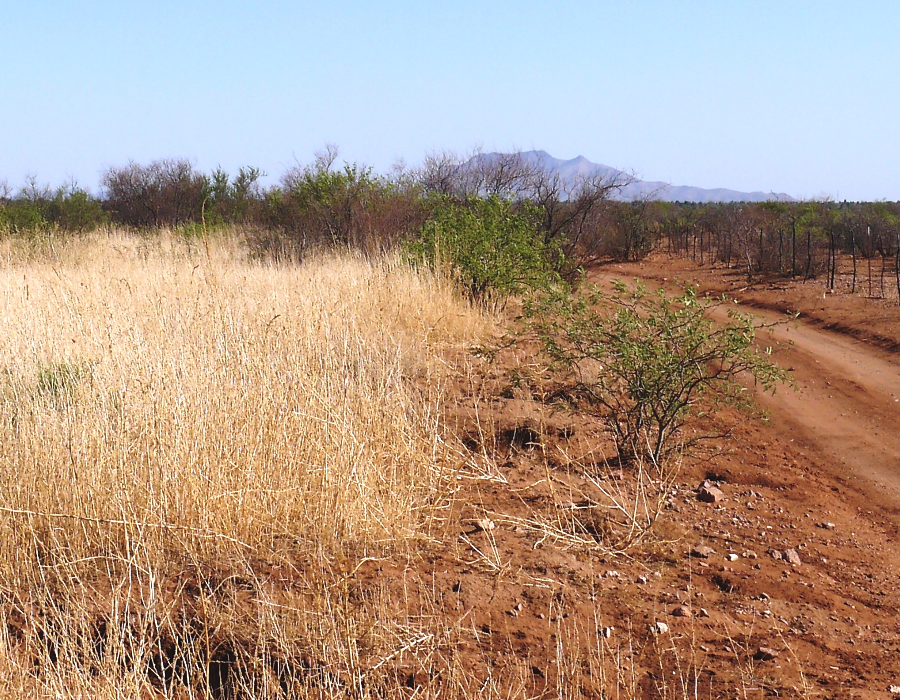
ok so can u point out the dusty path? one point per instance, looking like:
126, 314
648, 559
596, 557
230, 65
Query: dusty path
846, 406
845, 410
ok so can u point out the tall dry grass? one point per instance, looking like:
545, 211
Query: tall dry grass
183, 434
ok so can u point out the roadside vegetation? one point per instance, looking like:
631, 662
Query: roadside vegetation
649, 364
240, 427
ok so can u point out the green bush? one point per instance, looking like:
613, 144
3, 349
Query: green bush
644, 361
21, 217
319, 206
74, 209
494, 249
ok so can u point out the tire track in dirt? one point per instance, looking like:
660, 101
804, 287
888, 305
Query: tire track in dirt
845, 411
846, 405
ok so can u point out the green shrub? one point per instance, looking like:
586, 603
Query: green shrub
21, 217
494, 249
644, 361
319, 206
74, 209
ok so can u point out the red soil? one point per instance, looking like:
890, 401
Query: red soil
821, 477
503, 608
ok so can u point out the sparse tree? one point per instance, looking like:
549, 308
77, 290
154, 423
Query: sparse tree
166, 192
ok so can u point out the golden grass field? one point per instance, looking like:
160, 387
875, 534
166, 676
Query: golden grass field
179, 426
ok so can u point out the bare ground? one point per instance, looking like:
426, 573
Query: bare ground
536, 610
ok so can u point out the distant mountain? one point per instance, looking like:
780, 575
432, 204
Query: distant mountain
580, 167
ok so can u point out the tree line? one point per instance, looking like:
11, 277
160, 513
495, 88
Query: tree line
797, 240
324, 204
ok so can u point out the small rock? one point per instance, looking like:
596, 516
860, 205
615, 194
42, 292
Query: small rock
749, 554
765, 654
512, 613
682, 611
702, 552
827, 526
607, 632
710, 494
659, 628
733, 557
775, 554
704, 612
894, 689
642, 579
791, 557
485, 524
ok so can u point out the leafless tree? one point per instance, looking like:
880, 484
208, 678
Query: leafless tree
570, 209
34, 192
166, 192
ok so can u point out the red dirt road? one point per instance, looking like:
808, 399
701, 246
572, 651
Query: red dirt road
821, 479
834, 446
846, 405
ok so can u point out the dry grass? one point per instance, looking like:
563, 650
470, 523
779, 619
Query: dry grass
199, 454
184, 436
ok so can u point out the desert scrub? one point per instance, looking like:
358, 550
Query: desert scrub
646, 361
492, 246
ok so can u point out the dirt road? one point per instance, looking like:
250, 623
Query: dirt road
845, 411
846, 406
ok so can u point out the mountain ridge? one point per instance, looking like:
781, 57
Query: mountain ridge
573, 169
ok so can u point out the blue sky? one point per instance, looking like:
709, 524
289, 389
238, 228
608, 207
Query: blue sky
791, 96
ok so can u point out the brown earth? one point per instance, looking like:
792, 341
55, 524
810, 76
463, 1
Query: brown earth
538, 605
531, 586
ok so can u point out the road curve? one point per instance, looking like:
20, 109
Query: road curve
846, 405
845, 411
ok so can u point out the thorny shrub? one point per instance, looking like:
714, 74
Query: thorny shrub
644, 361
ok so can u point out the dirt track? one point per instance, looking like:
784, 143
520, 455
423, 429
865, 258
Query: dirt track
845, 410
821, 478
846, 406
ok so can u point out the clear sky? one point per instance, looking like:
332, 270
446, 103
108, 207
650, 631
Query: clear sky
788, 96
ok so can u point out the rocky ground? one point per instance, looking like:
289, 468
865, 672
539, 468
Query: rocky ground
771, 571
